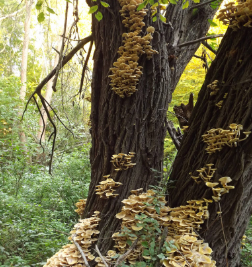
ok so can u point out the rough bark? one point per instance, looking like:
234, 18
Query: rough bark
232, 67
137, 123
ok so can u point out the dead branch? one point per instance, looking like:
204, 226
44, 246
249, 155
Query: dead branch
99, 253
85, 66
81, 251
200, 40
209, 47
175, 135
61, 51
124, 256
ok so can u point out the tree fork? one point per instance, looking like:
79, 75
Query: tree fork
138, 123
232, 67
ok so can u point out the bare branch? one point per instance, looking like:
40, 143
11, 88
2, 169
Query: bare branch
173, 134
61, 52
81, 251
209, 47
124, 256
99, 253
200, 40
85, 66
11, 15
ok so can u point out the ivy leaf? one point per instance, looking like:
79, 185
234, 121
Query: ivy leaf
213, 24
185, 5
41, 17
50, 10
39, 4
154, 19
174, 2
105, 4
92, 9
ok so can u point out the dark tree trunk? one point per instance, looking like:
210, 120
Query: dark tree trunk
137, 123
232, 67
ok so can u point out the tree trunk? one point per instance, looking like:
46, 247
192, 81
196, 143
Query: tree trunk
232, 67
28, 5
136, 123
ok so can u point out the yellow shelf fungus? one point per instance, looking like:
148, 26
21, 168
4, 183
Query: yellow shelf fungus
237, 16
122, 161
126, 71
106, 188
216, 139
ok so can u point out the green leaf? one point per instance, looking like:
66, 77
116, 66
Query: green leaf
141, 264
161, 256
99, 16
215, 4
41, 17
154, 19
92, 9
185, 5
129, 242
196, 1
213, 24
146, 252
152, 2
39, 4
68, 1
105, 4
155, 4
164, 2
157, 208
145, 244
141, 6
50, 10
174, 2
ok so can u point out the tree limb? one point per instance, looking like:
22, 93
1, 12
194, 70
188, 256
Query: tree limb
200, 40
11, 15
209, 47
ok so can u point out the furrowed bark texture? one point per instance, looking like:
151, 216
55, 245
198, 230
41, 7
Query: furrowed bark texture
136, 123
232, 67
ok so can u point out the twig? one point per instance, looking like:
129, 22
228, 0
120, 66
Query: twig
85, 66
122, 257
81, 251
184, 257
172, 132
99, 253
161, 243
178, 115
223, 234
200, 40
61, 52
209, 47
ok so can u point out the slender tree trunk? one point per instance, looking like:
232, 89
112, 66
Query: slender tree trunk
28, 5
135, 124
232, 67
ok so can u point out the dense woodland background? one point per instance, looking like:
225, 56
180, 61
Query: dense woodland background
37, 209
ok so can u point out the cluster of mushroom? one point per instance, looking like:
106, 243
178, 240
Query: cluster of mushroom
219, 104
216, 139
126, 71
80, 206
237, 16
122, 161
190, 252
84, 234
106, 188
205, 174
109, 259
137, 203
213, 87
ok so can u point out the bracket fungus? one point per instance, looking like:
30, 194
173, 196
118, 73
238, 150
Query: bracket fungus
126, 71
216, 139
122, 161
84, 234
80, 206
205, 173
106, 188
237, 16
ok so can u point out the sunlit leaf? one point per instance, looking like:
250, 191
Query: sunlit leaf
105, 4
92, 9
39, 4
154, 19
162, 18
185, 5
41, 17
99, 16
213, 24
174, 2
50, 10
